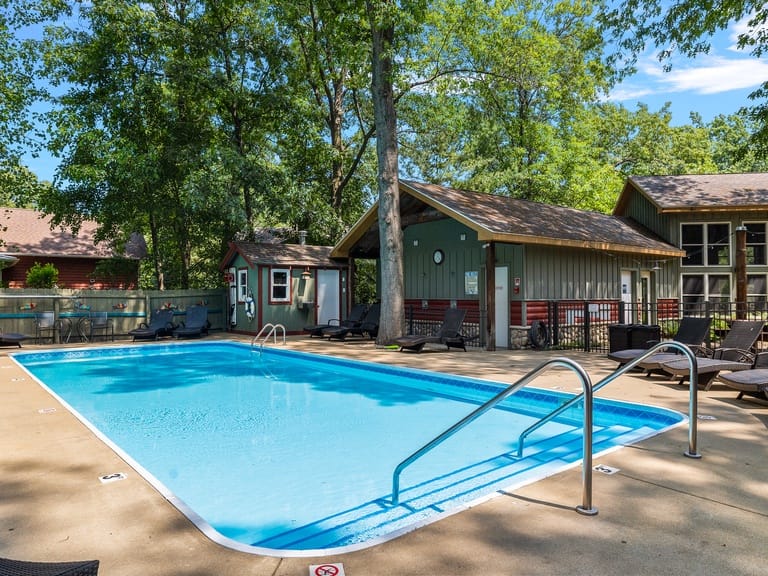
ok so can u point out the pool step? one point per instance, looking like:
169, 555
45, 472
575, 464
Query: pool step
452, 490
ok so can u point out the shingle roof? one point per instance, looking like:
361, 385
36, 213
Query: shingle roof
28, 233
282, 254
511, 220
706, 192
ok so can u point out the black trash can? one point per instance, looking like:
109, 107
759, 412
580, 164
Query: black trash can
644, 335
618, 337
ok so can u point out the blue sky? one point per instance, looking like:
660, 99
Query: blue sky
715, 83
711, 84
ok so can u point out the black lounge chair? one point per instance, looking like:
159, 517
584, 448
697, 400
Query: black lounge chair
749, 382
10, 567
735, 353
195, 324
448, 334
356, 316
691, 331
11, 339
161, 324
368, 326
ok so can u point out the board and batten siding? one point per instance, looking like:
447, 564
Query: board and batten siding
426, 280
557, 273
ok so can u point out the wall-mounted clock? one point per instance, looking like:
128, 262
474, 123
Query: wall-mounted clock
438, 256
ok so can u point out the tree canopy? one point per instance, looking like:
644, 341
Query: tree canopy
198, 122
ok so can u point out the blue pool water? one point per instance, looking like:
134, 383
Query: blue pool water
288, 453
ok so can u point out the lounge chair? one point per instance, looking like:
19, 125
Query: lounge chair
356, 316
161, 324
10, 567
11, 339
195, 324
735, 353
749, 382
369, 326
691, 331
448, 334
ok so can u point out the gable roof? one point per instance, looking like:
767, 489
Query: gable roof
705, 192
510, 220
25, 232
256, 253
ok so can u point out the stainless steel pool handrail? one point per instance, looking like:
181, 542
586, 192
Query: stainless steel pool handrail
619, 372
273, 329
511, 389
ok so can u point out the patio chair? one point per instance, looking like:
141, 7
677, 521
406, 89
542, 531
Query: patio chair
100, 322
369, 326
448, 334
160, 324
734, 353
196, 323
749, 382
691, 331
10, 567
47, 326
356, 316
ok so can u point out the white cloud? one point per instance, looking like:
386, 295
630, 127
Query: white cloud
708, 74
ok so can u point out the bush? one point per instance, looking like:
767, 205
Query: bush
42, 276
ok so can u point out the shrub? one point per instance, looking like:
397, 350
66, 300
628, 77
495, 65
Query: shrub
42, 276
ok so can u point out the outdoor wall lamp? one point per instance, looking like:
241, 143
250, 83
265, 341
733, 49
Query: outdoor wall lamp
306, 275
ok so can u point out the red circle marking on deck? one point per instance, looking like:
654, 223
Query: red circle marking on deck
326, 570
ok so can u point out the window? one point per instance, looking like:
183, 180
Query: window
242, 284
757, 290
280, 283
706, 244
700, 288
756, 243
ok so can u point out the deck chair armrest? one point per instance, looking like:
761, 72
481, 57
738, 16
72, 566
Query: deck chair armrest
734, 354
761, 360
700, 351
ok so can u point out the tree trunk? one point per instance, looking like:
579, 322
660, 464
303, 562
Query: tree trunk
392, 316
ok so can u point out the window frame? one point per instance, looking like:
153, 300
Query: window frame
287, 285
242, 284
706, 296
706, 246
763, 244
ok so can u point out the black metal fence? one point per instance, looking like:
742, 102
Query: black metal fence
590, 326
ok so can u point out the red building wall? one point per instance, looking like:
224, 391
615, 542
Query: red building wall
74, 273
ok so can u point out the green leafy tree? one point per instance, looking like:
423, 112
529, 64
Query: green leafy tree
42, 276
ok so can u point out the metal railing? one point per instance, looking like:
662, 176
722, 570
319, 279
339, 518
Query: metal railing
272, 330
586, 506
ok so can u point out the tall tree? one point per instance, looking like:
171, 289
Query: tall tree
383, 16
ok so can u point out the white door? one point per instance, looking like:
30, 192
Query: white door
328, 302
626, 295
502, 307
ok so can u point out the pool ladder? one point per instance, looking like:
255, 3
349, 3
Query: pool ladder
586, 397
271, 330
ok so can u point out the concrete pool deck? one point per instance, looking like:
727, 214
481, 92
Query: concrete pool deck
661, 513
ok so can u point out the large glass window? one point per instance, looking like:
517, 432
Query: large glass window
706, 244
756, 243
280, 283
757, 290
700, 288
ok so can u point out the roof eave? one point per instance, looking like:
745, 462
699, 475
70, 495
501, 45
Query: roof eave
601, 246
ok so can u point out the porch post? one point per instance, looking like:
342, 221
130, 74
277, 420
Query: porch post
741, 272
490, 295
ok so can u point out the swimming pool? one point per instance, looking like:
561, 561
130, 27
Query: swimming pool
290, 454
